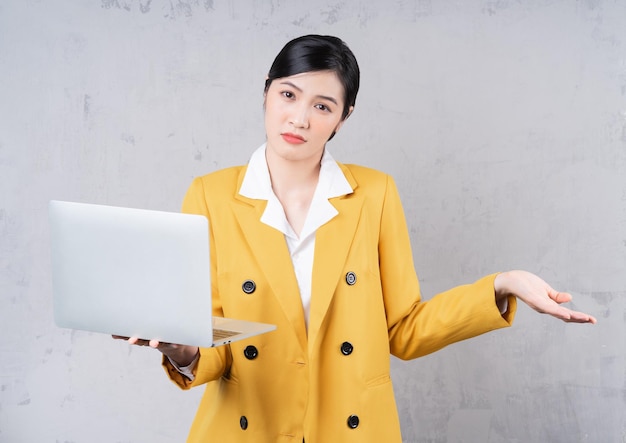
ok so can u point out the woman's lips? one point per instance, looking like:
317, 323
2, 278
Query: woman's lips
293, 139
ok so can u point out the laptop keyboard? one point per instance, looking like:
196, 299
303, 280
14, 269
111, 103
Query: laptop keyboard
220, 334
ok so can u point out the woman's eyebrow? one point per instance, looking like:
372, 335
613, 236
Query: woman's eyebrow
323, 97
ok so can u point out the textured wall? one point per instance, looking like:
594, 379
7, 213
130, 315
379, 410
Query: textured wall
503, 122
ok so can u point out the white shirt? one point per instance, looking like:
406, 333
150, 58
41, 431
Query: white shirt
332, 183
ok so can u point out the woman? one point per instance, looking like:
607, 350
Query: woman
321, 250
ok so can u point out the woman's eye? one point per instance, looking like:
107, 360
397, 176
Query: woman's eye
288, 94
322, 107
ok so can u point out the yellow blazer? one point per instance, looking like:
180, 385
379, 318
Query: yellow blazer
332, 384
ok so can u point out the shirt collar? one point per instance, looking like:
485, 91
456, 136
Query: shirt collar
332, 183
258, 185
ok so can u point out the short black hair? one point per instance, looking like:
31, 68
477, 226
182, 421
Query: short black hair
311, 53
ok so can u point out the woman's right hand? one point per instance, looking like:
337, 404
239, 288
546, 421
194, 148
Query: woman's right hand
182, 355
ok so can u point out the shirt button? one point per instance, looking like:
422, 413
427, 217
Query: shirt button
351, 278
251, 352
243, 422
346, 348
353, 421
248, 286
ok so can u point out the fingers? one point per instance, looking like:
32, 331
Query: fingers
557, 311
141, 342
552, 306
581, 317
156, 344
560, 297
184, 355
566, 314
569, 316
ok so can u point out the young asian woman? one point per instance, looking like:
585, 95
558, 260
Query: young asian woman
326, 249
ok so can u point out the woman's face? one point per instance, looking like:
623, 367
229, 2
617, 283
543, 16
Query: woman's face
301, 113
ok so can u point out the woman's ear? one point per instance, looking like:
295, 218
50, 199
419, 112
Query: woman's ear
350, 109
340, 124
267, 85
265, 91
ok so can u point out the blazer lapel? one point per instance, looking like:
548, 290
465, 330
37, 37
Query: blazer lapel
332, 243
269, 247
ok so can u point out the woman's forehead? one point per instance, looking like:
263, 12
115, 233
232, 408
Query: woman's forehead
315, 82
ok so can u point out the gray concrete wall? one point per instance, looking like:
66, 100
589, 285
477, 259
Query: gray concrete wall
503, 122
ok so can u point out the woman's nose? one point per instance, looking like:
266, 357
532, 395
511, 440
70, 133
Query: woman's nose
300, 118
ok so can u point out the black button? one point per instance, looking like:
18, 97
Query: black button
353, 421
251, 352
243, 422
351, 278
248, 286
346, 348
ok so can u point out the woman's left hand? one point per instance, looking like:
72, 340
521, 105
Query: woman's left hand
183, 355
539, 295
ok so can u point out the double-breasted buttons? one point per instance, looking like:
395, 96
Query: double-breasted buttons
249, 286
250, 352
351, 278
243, 422
353, 421
346, 348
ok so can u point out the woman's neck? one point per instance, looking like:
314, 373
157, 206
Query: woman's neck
294, 183
292, 173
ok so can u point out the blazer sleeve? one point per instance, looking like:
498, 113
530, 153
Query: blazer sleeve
213, 362
417, 327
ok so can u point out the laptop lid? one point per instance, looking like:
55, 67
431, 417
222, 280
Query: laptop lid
135, 272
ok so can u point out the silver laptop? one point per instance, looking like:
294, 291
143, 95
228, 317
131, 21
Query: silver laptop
137, 273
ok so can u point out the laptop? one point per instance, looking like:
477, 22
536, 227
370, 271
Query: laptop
137, 273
